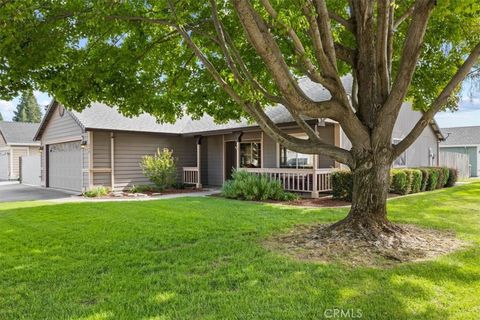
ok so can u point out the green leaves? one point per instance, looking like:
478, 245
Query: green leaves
129, 54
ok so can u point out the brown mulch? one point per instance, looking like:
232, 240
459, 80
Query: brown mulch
315, 243
322, 202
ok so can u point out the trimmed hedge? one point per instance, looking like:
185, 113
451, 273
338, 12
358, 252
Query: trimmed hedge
342, 184
452, 177
402, 181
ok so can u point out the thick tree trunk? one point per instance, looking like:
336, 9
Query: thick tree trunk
367, 218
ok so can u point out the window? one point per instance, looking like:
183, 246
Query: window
250, 155
294, 160
401, 161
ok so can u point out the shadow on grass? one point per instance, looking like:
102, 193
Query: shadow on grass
202, 258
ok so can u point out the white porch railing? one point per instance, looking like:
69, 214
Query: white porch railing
299, 180
191, 176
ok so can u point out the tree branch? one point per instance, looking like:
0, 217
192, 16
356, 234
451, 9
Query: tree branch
408, 62
342, 21
441, 100
407, 14
311, 69
264, 43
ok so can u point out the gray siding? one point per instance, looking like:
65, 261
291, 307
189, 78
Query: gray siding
418, 153
269, 152
204, 161
61, 127
327, 133
57, 129
131, 147
215, 160
101, 149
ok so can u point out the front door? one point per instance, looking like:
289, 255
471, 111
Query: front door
230, 158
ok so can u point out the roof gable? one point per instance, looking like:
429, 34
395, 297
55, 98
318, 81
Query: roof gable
18, 132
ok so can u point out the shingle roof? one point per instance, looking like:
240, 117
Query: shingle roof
461, 136
19, 132
101, 116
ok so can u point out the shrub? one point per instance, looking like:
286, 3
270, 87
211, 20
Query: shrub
342, 184
415, 180
433, 175
400, 181
452, 177
425, 174
443, 177
143, 188
160, 168
95, 192
249, 186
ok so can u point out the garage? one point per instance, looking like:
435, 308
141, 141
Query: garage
4, 165
64, 166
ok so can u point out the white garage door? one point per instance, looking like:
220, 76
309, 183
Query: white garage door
4, 165
64, 166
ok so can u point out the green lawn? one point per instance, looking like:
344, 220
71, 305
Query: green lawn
202, 258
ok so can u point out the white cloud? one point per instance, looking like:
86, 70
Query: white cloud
8, 107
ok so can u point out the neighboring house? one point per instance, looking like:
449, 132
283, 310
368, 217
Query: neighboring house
99, 146
465, 140
16, 140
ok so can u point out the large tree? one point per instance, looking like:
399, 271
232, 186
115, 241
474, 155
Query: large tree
28, 109
232, 58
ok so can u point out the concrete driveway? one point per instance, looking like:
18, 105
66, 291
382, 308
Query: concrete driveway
13, 191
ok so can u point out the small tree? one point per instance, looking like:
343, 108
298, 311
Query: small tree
28, 109
1, 117
160, 168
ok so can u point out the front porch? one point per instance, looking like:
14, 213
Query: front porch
255, 152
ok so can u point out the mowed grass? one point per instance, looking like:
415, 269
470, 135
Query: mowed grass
202, 258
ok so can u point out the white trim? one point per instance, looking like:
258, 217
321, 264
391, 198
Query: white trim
261, 150
90, 159
458, 145
10, 174
112, 159
24, 144
277, 155
63, 140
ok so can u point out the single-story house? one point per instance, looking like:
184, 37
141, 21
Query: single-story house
99, 146
16, 140
465, 140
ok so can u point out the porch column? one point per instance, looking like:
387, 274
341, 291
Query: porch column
315, 178
199, 162
112, 160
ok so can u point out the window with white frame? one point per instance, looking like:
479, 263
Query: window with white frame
250, 155
401, 161
295, 160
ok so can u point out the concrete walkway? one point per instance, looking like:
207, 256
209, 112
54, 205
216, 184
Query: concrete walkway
13, 191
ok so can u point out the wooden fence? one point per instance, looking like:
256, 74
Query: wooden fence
458, 161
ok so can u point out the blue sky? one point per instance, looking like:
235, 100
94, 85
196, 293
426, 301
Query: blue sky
468, 115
